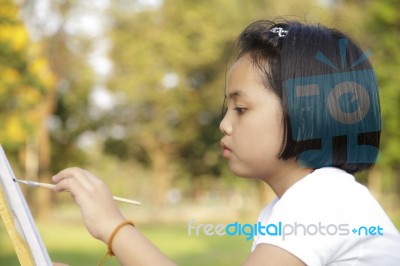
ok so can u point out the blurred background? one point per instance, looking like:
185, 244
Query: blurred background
132, 90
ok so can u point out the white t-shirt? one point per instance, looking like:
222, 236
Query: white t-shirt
327, 218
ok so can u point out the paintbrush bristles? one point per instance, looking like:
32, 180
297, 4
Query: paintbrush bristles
36, 184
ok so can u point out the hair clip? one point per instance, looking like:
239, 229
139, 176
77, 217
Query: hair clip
280, 31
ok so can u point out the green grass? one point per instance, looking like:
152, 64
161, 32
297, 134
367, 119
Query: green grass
71, 244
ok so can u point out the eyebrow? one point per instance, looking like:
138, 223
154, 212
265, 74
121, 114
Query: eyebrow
235, 94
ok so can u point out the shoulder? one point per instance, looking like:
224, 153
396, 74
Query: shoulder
314, 219
326, 190
329, 195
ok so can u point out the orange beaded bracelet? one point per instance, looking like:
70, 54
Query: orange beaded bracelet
110, 241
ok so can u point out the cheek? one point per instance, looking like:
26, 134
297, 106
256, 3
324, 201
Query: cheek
269, 144
270, 136
257, 155
264, 140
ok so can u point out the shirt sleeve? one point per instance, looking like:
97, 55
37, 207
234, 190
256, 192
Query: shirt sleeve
308, 222
328, 218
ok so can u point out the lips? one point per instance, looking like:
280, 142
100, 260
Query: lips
225, 150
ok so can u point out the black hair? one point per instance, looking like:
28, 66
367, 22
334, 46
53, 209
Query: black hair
327, 90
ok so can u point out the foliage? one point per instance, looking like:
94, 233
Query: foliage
167, 84
25, 79
170, 65
383, 24
167, 81
384, 27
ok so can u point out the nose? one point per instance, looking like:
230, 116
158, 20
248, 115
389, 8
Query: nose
225, 126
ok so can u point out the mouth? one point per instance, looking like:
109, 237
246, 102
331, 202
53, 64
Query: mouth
225, 150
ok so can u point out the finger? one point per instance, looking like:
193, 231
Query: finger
66, 173
80, 195
70, 184
79, 174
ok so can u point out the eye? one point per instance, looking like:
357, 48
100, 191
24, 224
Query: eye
240, 110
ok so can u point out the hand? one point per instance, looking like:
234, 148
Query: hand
99, 211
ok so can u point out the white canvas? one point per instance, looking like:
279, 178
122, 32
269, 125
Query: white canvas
22, 218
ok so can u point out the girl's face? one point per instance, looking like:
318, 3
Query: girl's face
253, 124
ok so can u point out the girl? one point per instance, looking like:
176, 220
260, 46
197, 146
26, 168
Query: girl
303, 116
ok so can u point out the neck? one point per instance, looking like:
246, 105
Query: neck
289, 174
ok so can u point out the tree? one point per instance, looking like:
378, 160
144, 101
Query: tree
383, 26
377, 28
170, 63
27, 90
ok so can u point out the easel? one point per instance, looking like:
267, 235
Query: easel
18, 220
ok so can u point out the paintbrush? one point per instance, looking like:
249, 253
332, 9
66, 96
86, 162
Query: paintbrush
51, 186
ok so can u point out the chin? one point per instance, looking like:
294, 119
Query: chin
243, 173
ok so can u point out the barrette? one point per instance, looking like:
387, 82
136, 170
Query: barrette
280, 31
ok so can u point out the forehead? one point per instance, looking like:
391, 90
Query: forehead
243, 78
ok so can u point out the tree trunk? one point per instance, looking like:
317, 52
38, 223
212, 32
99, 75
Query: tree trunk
162, 176
38, 165
159, 155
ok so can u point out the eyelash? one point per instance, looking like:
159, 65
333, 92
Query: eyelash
240, 110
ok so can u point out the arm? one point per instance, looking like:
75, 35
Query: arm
101, 216
268, 255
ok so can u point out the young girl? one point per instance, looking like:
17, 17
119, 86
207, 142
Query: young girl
303, 116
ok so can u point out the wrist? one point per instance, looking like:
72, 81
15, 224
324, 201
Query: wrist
109, 228
116, 230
